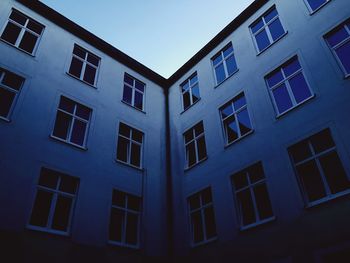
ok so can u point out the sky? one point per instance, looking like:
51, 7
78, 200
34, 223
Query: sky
161, 34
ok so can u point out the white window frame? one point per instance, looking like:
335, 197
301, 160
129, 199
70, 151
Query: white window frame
195, 139
190, 86
318, 8
22, 32
133, 90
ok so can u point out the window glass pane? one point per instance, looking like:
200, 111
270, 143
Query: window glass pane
322, 141
198, 129
282, 98
231, 129
116, 225
338, 36
185, 86
76, 67
193, 80
257, 26
202, 150
11, 33
68, 184
93, 59
300, 151
18, 17
276, 29
129, 80
83, 112
220, 73
186, 99
217, 59
124, 130
127, 94
314, 4
41, 208
119, 198
6, 99
206, 196
262, 40
12, 80
139, 85
79, 52
240, 180
62, 212
135, 154
131, 229
239, 101
78, 132
188, 135
190, 154
231, 65
244, 122
134, 202
138, 100
228, 51
274, 78
343, 53
66, 104
256, 173
62, 125
209, 218
246, 207
226, 110
299, 88
291, 67
195, 93
263, 201
311, 180
197, 227
90, 73
137, 135
273, 13
122, 149
35, 27
194, 202
48, 178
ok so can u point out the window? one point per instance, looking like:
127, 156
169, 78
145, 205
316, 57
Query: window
195, 145
190, 91
314, 5
267, 30
133, 93
318, 167
10, 86
202, 217
252, 197
224, 64
22, 32
124, 225
235, 119
84, 65
339, 42
54, 202
72, 122
129, 149
287, 86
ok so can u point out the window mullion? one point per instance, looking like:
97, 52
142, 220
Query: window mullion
20, 36
237, 124
52, 210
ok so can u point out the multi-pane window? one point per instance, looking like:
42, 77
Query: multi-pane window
267, 30
318, 167
84, 65
22, 32
54, 202
339, 42
195, 147
129, 149
190, 91
251, 196
133, 92
314, 5
287, 86
235, 119
202, 217
10, 86
124, 225
72, 122
224, 64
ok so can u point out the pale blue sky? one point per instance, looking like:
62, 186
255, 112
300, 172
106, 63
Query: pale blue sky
161, 34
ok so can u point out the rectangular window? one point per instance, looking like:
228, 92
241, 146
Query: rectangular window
133, 93
252, 197
314, 5
235, 118
72, 122
190, 91
22, 32
10, 86
129, 149
287, 86
124, 224
339, 42
267, 30
202, 217
224, 64
195, 147
318, 167
54, 202
84, 65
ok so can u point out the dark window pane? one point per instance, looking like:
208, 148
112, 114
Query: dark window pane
206, 196
76, 67
342, 255
78, 132
66, 104
226, 110
338, 36
262, 40
314, 4
299, 88
231, 129
256, 173
134, 202
12, 80
6, 99
263, 201
209, 218
194, 202
90, 73
186, 99
198, 129
28, 42
343, 53
239, 101
282, 98
35, 27
135, 154
274, 78
257, 26
62, 212
62, 124
276, 29
202, 150
311, 180
197, 227
231, 65
322, 141
244, 122
119, 198
334, 172
195, 93
191, 154
116, 225
79, 52
246, 207
220, 73
137, 135
268, 17
185, 86
240, 180
48, 178
11, 33
83, 112
122, 149
93, 59
129, 80
131, 229
68, 184
124, 130
41, 209
138, 100
291, 67
139, 85
217, 59
127, 94
188, 135
18, 17
300, 151
227, 51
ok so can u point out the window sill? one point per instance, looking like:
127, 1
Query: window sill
277, 40
129, 165
69, 143
47, 230
219, 84
5, 119
327, 199
294, 107
83, 81
190, 106
25, 52
133, 107
256, 224
347, 76
239, 139
202, 243
196, 164
122, 245
317, 9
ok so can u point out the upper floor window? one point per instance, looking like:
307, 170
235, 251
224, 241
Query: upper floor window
190, 91
124, 224
319, 168
72, 122
235, 118
339, 42
314, 5
195, 147
84, 65
252, 197
287, 86
133, 93
22, 32
202, 217
10, 86
129, 149
224, 64
54, 202
267, 30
